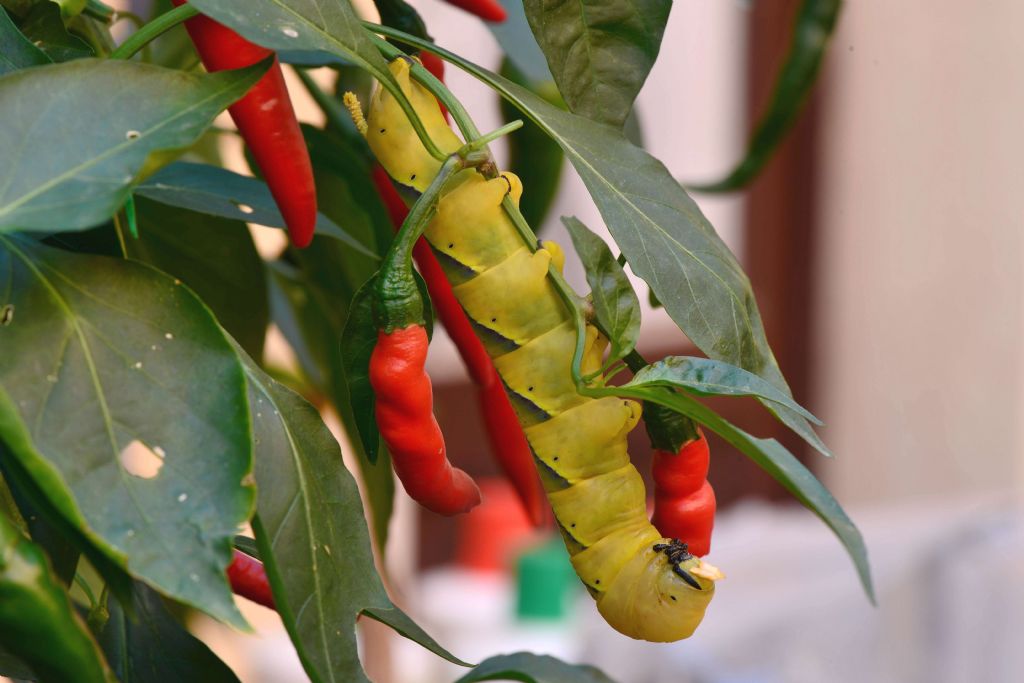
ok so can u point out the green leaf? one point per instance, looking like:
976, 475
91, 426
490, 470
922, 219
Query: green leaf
219, 192
61, 551
327, 25
107, 359
75, 135
357, 343
599, 51
38, 624
214, 257
150, 646
666, 239
532, 155
773, 458
312, 536
616, 305
44, 26
815, 22
713, 378
530, 668
17, 51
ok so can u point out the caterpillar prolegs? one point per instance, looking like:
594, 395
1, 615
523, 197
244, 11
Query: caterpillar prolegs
645, 586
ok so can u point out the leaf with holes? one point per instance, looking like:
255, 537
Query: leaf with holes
312, 536
125, 402
64, 172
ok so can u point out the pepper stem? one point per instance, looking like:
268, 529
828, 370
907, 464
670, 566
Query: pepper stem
153, 30
398, 303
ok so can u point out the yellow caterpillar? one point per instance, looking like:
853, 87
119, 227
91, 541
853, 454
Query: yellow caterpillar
646, 586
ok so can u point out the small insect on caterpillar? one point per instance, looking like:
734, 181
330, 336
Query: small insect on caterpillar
646, 586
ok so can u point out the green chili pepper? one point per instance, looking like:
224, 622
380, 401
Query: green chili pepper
38, 624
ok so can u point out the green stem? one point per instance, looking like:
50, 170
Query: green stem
484, 140
153, 30
398, 300
431, 83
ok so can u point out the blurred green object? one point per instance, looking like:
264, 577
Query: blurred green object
544, 582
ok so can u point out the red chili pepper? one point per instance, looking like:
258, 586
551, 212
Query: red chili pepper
508, 442
684, 502
488, 10
249, 579
266, 121
405, 416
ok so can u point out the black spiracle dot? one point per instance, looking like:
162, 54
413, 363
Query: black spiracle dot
555, 458
451, 245
573, 525
412, 177
529, 388
494, 320
597, 581
381, 130
672, 596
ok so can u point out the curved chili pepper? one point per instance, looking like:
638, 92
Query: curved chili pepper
266, 121
248, 578
488, 10
508, 442
405, 416
684, 502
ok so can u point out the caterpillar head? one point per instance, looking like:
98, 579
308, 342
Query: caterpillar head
393, 139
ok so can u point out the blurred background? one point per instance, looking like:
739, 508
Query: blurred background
884, 244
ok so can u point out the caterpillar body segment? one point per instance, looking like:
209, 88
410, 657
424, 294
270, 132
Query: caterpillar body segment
645, 586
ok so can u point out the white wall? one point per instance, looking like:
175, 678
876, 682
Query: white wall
920, 314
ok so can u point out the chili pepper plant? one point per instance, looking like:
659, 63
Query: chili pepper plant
155, 462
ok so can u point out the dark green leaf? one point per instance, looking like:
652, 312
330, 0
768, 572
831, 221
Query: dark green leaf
219, 192
108, 365
664, 236
150, 646
61, 551
530, 668
52, 515
773, 458
75, 135
247, 545
532, 155
326, 25
814, 25
599, 51
312, 536
43, 25
615, 303
357, 343
713, 378
17, 51
38, 624
401, 15
216, 258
